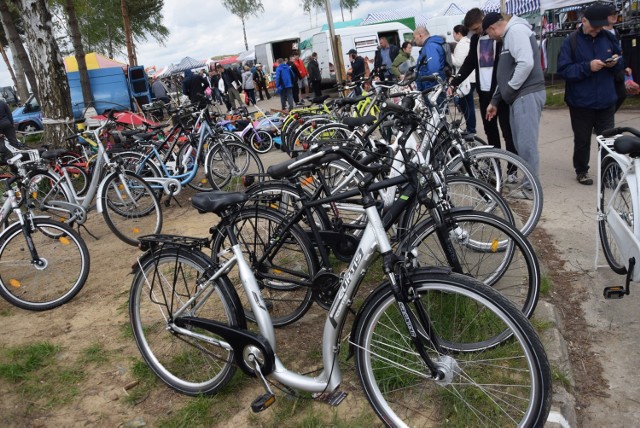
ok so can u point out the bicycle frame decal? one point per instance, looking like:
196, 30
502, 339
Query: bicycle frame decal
348, 277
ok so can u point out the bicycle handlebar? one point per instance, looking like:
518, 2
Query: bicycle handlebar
620, 130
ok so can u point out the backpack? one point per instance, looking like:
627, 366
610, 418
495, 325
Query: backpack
448, 61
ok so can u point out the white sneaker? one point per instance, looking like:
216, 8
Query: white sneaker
512, 179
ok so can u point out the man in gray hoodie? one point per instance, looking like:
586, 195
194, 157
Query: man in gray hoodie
520, 83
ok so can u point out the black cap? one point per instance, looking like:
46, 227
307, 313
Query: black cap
490, 19
598, 14
352, 51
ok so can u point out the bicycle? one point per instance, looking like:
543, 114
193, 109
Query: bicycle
618, 204
127, 203
43, 263
421, 341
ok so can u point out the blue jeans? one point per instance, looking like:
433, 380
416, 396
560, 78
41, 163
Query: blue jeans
468, 110
286, 95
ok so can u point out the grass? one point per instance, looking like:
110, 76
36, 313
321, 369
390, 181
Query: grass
545, 286
146, 382
557, 375
95, 354
39, 375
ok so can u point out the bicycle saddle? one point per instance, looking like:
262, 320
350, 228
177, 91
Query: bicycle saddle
217, 201
627, 145
52, 154
350, 101
319, 100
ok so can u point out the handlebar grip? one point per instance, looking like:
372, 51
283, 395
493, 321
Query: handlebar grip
396, 108
430, 78
615, 131
612, 132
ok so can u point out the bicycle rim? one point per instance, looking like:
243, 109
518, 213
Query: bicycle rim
59, 275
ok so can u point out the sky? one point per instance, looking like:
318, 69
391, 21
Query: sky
202, 29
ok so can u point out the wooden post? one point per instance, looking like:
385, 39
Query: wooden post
337, 58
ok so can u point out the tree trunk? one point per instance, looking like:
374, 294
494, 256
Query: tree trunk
15, 44
21, 81
131, 50
9, 67
48, 67
342, 11
244, 32
76, 40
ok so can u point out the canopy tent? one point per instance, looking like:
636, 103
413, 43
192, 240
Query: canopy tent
514, 7
94, 62
395, 15
246, 56
187, 63
228, 60
559, 4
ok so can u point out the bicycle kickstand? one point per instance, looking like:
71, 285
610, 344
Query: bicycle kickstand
170, 197
616, 291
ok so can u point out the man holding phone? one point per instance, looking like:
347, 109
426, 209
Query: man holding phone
589, 60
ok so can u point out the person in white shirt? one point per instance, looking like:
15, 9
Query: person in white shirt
465, 90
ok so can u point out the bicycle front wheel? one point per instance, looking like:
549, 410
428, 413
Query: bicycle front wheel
229, 163
52, 279
493, 369
512, 178
130, 207
261, 141
621, 205
486, 248
162, 284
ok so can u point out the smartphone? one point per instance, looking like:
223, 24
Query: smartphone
612, 59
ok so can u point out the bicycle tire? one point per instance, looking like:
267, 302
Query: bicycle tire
488, 249
492, 165
622, 206
261, 141
36, 287
188, 365
285, 275
462, 192
227, 165
130, 207
486, 382
186, 158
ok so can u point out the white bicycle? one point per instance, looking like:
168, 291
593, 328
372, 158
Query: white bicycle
618, 203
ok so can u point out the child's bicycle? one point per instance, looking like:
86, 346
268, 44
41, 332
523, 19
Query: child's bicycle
618, 205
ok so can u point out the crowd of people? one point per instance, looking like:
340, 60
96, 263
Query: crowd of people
224, 85
496, 57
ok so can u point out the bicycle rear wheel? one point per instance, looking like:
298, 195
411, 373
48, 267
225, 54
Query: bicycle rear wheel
129, 207
60, 273
284, 274
494, 369
621, 205
162, 284
261, 141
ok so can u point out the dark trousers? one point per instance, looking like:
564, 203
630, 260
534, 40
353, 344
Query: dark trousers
491, 127
10, 133
317, 87
251, 93
583, 122
262, 86
296, 92
468, 110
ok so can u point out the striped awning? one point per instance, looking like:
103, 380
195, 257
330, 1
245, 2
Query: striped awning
514, 7
453, 10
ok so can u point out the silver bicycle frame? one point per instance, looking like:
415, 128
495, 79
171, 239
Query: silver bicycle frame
626, 239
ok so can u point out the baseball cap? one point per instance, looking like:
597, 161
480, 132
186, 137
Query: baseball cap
352, 51
490, 19
598, 14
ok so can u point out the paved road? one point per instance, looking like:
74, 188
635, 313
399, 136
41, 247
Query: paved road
569, 217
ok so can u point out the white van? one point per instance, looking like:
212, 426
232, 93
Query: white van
365, 39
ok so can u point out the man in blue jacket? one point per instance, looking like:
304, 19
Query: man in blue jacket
432, 57
589, 59
284, 83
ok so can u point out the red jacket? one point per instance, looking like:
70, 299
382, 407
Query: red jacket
301, 68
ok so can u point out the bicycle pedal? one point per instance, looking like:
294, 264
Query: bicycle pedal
263, 402
614, 292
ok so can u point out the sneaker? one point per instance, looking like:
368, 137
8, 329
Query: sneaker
511, 179
583, 178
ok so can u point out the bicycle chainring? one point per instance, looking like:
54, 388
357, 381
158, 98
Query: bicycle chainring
324, 288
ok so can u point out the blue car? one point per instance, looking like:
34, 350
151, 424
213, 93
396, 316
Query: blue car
28, 118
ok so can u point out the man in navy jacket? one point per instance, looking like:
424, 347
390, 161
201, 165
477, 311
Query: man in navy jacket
589, 64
